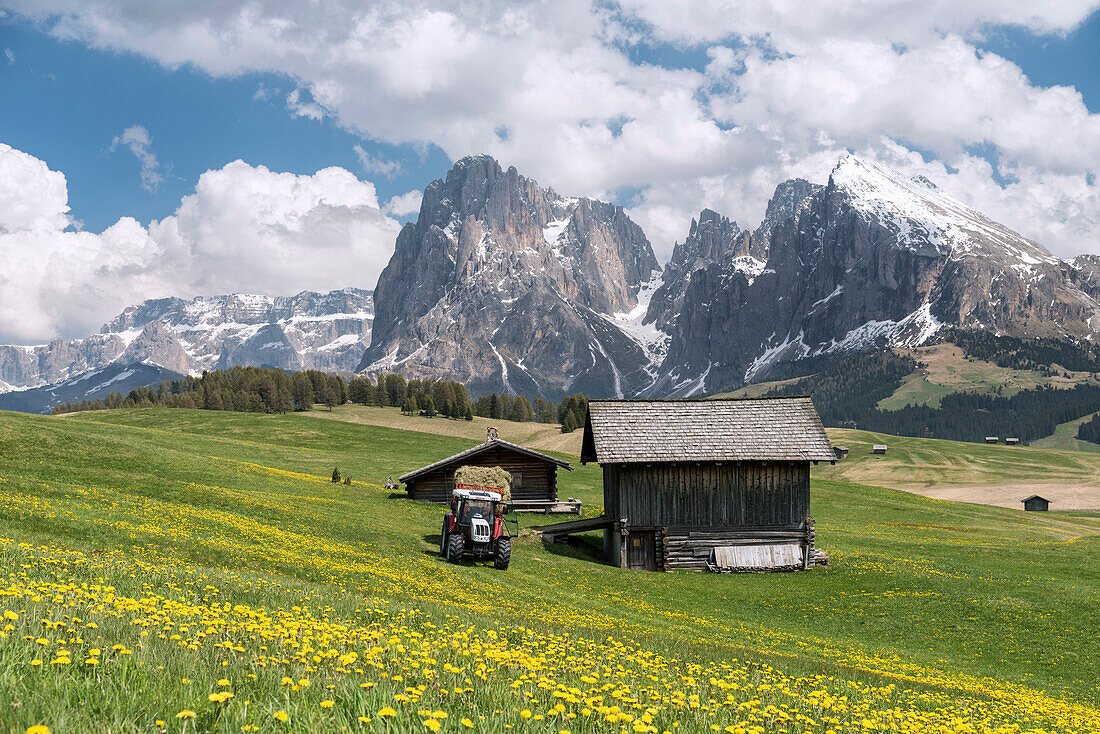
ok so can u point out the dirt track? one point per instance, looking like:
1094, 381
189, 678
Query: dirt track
1061, 496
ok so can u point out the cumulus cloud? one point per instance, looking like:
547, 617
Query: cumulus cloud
9, 55
406, 203
558, 90
245, 228
140, 143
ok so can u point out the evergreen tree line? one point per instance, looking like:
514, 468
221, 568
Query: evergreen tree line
413, 397
1090, 430
242, 389
1026, 354
263, 390
846, 394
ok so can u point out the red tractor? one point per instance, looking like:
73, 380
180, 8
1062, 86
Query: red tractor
476, 526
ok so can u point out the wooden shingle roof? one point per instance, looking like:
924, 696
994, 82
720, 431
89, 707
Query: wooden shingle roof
494, 444
744, 429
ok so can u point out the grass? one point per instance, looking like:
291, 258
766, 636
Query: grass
1065, 437
210, 546
920, 462
540, 436
944, 369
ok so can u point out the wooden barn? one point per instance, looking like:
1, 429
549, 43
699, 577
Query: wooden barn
534, 475
697, 484
1035, 503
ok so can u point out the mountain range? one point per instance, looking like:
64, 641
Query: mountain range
504, 285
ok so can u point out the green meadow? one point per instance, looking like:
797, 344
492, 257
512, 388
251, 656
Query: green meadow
167, 546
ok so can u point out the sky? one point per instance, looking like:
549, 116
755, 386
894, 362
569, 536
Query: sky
202, 147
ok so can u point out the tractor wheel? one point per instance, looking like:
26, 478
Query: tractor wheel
455, 547
504, 553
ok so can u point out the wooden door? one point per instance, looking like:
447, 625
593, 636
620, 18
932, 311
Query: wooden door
641, 553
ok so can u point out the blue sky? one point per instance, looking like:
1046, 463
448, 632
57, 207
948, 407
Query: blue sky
65, 103
120, 123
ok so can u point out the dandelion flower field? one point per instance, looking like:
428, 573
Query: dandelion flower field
187, 571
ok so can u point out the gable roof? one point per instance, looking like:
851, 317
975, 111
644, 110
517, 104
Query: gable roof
495, 444
1035, 497
743, 429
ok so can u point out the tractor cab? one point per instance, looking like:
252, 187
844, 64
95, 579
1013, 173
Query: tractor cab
476, 526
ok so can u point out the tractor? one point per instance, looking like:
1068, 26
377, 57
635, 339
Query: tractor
476, 526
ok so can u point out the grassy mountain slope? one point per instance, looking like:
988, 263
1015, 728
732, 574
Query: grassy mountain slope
177, 533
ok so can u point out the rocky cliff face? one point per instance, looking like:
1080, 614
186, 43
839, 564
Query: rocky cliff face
504, 285
326, 331
872, 259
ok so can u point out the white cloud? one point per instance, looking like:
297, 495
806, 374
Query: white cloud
376, 164
304, 108
140, 143
9, 55
406, 203
245, 228
548, 88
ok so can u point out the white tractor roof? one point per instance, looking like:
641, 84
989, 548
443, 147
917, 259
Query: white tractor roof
477, 494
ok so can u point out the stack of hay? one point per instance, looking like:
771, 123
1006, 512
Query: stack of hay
492, 478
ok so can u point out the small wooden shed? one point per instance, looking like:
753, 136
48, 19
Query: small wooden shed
694, 484
1035, 503
992, 439
878, 448
534, 475
1012, 441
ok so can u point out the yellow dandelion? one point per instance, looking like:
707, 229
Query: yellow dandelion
281, 715
36, 662
186, 714
8, 614
468, 724
431, 724
158, 722
38, 729
223, 682
387, 711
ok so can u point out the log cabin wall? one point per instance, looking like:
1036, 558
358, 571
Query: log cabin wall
686, 509
537, 479
708, 494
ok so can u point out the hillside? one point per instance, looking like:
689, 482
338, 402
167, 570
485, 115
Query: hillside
540, 436
969, 472
212, 546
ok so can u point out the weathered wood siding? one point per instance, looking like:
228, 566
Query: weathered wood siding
537, 479
708, 495
686, 509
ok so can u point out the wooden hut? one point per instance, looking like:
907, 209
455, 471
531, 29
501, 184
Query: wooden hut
1035, 503
878, 448
1012, 441
992, 439
841, 452
696, 484
534, 475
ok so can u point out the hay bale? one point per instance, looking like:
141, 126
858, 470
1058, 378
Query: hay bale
486, 476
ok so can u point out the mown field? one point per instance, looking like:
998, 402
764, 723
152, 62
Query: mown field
170, 570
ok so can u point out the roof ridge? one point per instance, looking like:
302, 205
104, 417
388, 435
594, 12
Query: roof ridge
736, 399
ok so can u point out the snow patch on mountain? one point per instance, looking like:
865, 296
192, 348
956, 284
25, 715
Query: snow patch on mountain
920, 214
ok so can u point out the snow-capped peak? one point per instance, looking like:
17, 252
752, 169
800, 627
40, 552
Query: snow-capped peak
920, 212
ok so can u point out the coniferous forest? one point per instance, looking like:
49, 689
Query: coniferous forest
263, 390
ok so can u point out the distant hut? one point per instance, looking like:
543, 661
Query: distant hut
841, 452
1012, 441
534, 475
878, 448
1035, 503
696, 484
992, 439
